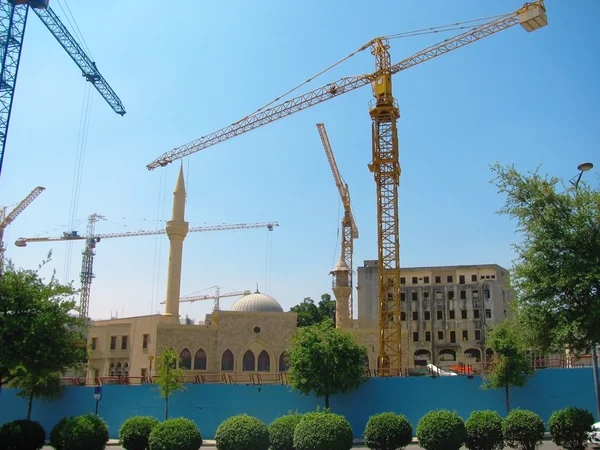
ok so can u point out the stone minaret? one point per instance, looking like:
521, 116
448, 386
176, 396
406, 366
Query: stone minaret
177, 229
341, 291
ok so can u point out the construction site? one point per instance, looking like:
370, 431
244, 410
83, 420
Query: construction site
430, 316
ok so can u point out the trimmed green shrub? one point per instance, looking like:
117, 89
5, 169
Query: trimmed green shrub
242, 432
388, 431
569, 427
523, 429
323, 431
87, 432
135, 431
56, 435
441, 430
179, 434
22, 435
281, 431
484, 431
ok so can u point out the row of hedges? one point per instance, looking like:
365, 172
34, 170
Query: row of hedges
320, 430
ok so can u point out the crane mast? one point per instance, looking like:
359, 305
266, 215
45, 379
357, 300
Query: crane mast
349, 233
384, 164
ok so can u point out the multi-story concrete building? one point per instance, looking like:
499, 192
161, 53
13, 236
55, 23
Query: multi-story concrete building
446, 311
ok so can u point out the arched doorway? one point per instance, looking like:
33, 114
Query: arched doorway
473, 353
422, 357
447, 355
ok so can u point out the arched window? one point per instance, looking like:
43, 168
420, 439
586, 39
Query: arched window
126, 369
283, 362
185, 359
200, 360
119, 369
366, 362
111, 370
248, 362
227, 360
264, 362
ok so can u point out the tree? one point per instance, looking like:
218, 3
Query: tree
169, 377
509, 367
37, 386
557, 272
311, 314
39, 334
325, 360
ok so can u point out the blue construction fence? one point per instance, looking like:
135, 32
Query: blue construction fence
210, 404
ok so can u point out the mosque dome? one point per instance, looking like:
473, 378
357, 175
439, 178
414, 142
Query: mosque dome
256, 302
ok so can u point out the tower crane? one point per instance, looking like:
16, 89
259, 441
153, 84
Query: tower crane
6, 220
385, 164
13, 18
217, 295
342, 287
91, 239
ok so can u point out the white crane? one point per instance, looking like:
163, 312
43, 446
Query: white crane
217, 295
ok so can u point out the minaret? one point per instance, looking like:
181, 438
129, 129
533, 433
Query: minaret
177, 229
341, 290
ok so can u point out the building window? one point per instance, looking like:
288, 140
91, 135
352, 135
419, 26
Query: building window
440, 335
461, 279
474, 278
463, 295
428, 336
438, 279
126, 369
452, 314
475, 293
402, 280
449, 278
248, 361
403, 296
415, 315
185, 359
415, 280
415, 336
283, 362
264, 362
477, 335
453, 337
94, 343
415, 296
488, 313
123, 342
463, 313
440, 315
426, 295
450, 295
465, 335
200, 360
113, 342
143, 372
119, 371
493, 276
403, 316
438, 295
227, 360
427, 315
111, 370
145, 340
486, 294
476, 314
426, 280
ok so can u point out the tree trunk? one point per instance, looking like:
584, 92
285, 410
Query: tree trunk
326, 401
29, 404
167, 407
507, 398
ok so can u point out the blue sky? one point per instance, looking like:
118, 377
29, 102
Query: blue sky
184, 71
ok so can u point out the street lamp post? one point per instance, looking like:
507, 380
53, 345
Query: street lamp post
584, 167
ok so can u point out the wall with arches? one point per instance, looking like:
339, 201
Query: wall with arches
209, 404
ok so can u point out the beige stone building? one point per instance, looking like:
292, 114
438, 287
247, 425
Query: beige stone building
446, 312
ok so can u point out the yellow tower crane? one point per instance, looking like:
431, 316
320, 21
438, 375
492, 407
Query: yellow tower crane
92, 238
385, 163
342, 282
6, 220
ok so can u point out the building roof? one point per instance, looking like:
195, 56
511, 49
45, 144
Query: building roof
257, 302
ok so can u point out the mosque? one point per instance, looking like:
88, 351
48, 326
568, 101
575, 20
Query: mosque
445, 313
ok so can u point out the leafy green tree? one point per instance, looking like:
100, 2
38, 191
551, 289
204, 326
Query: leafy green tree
557, 273
325, 360
39, 331
509, 367
37, 386
310, 313
169, 377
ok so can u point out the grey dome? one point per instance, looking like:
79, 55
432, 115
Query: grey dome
257, 302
